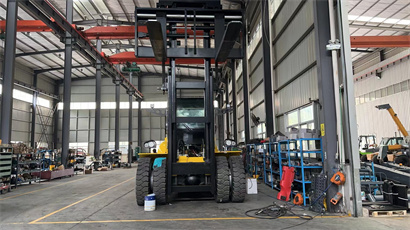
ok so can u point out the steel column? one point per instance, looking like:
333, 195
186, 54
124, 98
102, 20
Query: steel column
267, 68
56, 116
97, 128
68, 54
139, 132
245, 82
349, 108
117, 114
8, 72
130, 116
34, 113
234, 117
327, 114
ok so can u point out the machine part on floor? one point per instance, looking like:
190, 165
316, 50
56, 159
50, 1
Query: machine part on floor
336, 198
395, 194
189, 144
298, 200
159, 183
338, 178
286, 183
142, 183
222, 180
238, 179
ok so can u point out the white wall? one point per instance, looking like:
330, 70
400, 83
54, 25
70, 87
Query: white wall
394, 89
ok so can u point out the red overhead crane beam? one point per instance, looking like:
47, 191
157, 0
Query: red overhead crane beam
128, 32
379, 41
130, 57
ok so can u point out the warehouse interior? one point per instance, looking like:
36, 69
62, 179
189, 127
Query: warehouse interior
191, 114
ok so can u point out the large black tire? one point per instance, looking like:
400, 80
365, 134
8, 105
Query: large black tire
159, 183
222, 180
142, 183
402, 159
363, 158
375, 159
238, 177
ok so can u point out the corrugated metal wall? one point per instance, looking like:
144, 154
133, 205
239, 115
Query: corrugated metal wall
394, 89
21, 115
294, 60
83, 121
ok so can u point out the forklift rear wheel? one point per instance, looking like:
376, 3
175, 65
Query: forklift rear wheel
159, 183
402, 159
222, 180
238, 186
142, 183
363, 158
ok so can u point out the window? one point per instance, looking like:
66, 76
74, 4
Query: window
302, 118
123, 146
43, 102
78, 145
261, 131
22, 96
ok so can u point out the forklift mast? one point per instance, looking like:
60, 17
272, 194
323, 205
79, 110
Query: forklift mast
169, 25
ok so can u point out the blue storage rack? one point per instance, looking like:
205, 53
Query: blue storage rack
292, 153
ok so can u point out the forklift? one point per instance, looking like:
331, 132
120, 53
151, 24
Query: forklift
187, 164
367, 145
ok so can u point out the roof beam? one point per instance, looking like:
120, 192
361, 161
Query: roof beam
380, 41
130, 57
28, 26
100, 22
40, 52
44, 11
38, 71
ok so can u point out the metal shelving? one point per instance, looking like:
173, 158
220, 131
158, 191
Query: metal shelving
6, 153
295, 153
20, 170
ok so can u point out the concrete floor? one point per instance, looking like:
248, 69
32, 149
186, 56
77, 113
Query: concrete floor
106, 200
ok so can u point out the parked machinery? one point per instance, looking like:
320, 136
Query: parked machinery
111, 158
367, 145
394, 148
186, 163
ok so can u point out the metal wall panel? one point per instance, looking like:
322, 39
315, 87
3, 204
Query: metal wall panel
284, 15
295, 30
299, 59
298, 93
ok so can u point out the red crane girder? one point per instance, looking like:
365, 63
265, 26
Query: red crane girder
130, 57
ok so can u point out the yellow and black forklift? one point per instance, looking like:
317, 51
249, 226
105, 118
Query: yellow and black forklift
187, 164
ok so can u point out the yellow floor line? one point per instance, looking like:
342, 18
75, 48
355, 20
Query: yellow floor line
38, 190
61, 209
164, 220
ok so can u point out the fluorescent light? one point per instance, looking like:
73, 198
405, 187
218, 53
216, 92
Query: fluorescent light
378, 20
404, 22
391, 21
364, 18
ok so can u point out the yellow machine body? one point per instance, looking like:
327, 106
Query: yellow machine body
163, 152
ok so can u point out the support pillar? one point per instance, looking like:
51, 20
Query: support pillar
56, 116
117, 113
97, 128
327, 114
267, 68
130, 117
140, 144
34, 114
68, 56
8, 71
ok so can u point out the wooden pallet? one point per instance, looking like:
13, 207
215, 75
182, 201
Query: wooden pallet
383, 213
